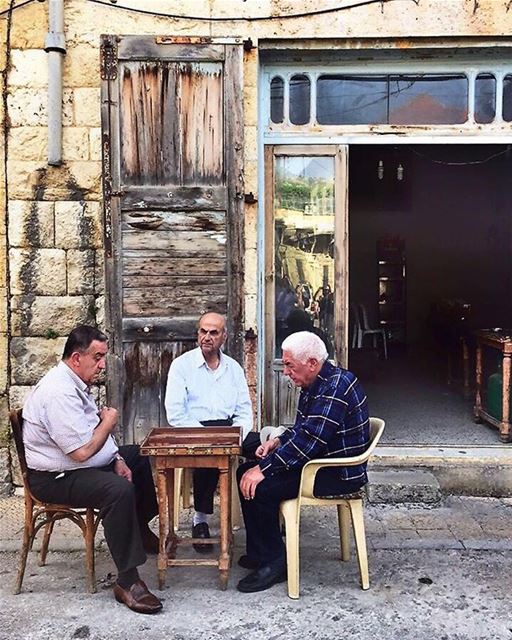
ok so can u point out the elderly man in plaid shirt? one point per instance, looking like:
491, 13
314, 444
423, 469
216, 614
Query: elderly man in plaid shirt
332, 420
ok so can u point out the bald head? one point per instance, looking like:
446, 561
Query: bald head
211, 335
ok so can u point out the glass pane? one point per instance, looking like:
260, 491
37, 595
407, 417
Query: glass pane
352, 99
507, 98
485, 98
428, 99
300, 88
304, 247
277, 100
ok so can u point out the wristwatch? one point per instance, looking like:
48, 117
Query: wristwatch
118, 456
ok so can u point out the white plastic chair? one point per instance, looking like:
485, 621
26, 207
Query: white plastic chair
362, 328
267, 433
350, 509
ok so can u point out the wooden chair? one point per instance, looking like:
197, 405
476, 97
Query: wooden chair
350, 508
43, 514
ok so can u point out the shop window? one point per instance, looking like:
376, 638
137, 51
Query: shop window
507, 98
485, 98
277, 100
428, 99
300, 90
343, 99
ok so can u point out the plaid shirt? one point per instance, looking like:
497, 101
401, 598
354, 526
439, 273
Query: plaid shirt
332, 421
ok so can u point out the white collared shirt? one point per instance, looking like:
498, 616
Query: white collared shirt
59, 416
196, 393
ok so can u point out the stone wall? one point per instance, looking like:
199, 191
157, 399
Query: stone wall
51, 271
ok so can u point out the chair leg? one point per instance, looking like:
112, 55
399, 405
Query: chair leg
290, 510
26, 545
48, 530
236, 512
356, 513
344, 527
89, 550
385, 344
178, 488
187, 486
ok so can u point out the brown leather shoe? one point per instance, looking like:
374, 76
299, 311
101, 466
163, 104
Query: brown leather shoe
138, 598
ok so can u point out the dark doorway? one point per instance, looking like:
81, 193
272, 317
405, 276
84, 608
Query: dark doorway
445, 212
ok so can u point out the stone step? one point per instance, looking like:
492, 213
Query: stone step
395, 486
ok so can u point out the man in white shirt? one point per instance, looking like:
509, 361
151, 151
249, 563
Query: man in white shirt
73, 459
205, 387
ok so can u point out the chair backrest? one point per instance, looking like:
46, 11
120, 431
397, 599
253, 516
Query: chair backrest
16, 419
267, 433
364, 316
355, 314
310, 469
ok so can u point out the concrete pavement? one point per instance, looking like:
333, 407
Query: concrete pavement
439, 572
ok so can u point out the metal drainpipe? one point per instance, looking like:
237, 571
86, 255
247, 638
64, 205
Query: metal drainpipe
55, 46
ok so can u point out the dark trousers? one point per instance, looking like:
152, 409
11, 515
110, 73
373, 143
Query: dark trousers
205, 480
124, 506
261, 514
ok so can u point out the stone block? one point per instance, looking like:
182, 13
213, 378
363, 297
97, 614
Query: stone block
251, 177
29, 31
28, 143
75, 143
251, 271
29, 68
251, 143
17, 396
78, 225
81, 270
81, 66
37, 271
95, 144
251, 314
27, 107
50, 315
403, 485
27, 179
87, 105
100, 312
4, 346
32, 357
31, 224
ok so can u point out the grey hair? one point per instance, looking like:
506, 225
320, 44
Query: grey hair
304, 345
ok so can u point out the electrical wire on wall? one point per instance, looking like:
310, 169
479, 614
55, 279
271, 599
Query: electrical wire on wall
304, 14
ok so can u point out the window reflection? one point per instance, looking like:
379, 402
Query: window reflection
300, 89
392, 99
485, 98
428, 99
277, 100
304, 247
352, 99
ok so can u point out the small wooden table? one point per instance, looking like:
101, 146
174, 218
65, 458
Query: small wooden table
503, 342
195, 447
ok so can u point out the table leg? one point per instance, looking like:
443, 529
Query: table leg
163, 519
478, 398
224, 526
505, 418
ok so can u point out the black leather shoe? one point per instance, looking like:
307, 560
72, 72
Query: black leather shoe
246, 562
201, 530
264, 578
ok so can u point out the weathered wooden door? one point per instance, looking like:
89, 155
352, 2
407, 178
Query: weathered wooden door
173, 195
306, 260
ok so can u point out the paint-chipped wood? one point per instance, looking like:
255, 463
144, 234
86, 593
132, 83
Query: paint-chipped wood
177, 200
171, 123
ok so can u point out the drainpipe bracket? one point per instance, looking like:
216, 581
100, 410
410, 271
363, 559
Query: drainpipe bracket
55, 42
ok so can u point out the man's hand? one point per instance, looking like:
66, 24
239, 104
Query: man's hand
122, 469
108, 417
264, 449
249, 481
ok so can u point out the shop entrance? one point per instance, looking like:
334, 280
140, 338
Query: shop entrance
430, 246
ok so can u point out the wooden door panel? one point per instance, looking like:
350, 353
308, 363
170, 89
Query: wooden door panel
171, 122
173, 183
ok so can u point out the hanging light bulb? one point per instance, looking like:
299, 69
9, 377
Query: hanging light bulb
380, 170
400, 173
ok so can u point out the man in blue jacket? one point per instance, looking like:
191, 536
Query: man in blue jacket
332, 421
